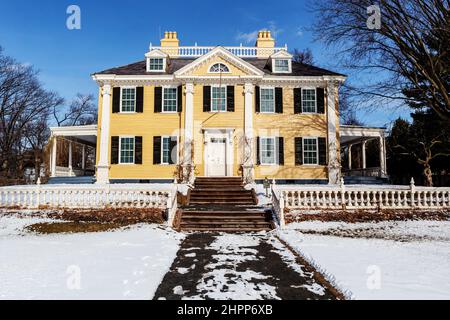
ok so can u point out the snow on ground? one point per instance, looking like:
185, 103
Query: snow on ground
260, 193
386, 260
123, 264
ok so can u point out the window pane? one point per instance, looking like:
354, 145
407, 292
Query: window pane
267, 150
128, 99
166, 150
170, 99
218, 99
281, 65
267, 100
310, 151
156, 64
127, 150
309, 100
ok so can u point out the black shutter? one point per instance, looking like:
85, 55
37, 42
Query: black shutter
297, 100
116, 100
158, 99
138, 150
156, 150
280, 147
180, 99
230, 98
140, 99
258, 155
257, 100
320, 100
279, 100
298, 151
114, 150
173, 150
206, 98
322, 151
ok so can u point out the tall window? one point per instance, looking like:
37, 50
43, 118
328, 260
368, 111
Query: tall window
309, 100
165, 154
267, 100
128, 100
218, 99
170, 100
310, 151
219, 67
126, 150
267, 150
156, 64
281, 65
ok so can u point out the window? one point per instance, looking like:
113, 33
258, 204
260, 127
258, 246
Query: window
156, 64
219, 67
267, 150
309, 104
126, 150
281, 65
267, 100
165, 148
310, 151
170, 100
218, 99
128, 101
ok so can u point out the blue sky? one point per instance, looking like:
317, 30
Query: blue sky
115, 33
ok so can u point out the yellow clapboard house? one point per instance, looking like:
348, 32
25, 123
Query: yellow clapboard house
186, 112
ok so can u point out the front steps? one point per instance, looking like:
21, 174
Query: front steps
223, 205
365, 180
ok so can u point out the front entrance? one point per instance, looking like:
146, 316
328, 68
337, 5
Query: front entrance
218, 153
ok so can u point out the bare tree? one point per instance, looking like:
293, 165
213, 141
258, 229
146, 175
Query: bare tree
409, 50
82, 111
303, 56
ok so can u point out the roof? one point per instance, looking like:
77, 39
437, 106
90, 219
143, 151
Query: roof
298, 69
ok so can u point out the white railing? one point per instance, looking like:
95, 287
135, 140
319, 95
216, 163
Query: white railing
89, 196
278, 207
360, 197
197, 51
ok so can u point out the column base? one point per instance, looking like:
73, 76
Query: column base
334, 176
248, 174
102, 174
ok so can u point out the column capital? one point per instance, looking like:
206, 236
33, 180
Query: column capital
106, 89
249, 88
190, 89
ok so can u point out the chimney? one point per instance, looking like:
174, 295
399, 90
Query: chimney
265, 40
170, 43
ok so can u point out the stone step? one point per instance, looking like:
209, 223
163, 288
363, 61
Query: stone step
226, 229
222, 201
222, 215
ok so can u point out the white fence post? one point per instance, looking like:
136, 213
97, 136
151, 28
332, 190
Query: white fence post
282, 205
343, 201
412, 191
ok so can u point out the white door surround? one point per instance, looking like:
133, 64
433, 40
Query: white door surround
218, 152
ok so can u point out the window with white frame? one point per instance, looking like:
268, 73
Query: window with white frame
218, 68
218, 99
267, 150
309, 101
156, 64
267, 99
165, 148
126, 150
128, 101
170, 99
281, 65
310, 151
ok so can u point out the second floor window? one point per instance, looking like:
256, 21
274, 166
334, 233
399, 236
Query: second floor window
310, 151
126, 150
156, 64
170, 100
281, 65
309, 104
267, 150
267, 100
218, 99
128, 100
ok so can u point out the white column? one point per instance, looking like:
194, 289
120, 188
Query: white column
53, 162
70, 159
350, 157
83, 158
189, 131
382, 156
363, 147
249, 90
334, 170
103, 162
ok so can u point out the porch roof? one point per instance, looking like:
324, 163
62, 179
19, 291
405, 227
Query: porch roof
355, 134
83, 134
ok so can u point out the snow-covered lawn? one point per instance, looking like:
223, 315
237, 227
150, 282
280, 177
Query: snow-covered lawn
386, 260
123, 264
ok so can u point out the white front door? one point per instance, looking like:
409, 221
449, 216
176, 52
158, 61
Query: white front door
216, 157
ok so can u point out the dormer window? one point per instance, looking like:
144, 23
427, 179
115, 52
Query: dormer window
219, 68
281, 65
156, 64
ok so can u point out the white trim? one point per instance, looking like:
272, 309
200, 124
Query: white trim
176, 94
90, 130
289, 70
226, 98
274, 151
260, 100
120, 149
317, 151
315, 95
135, 96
